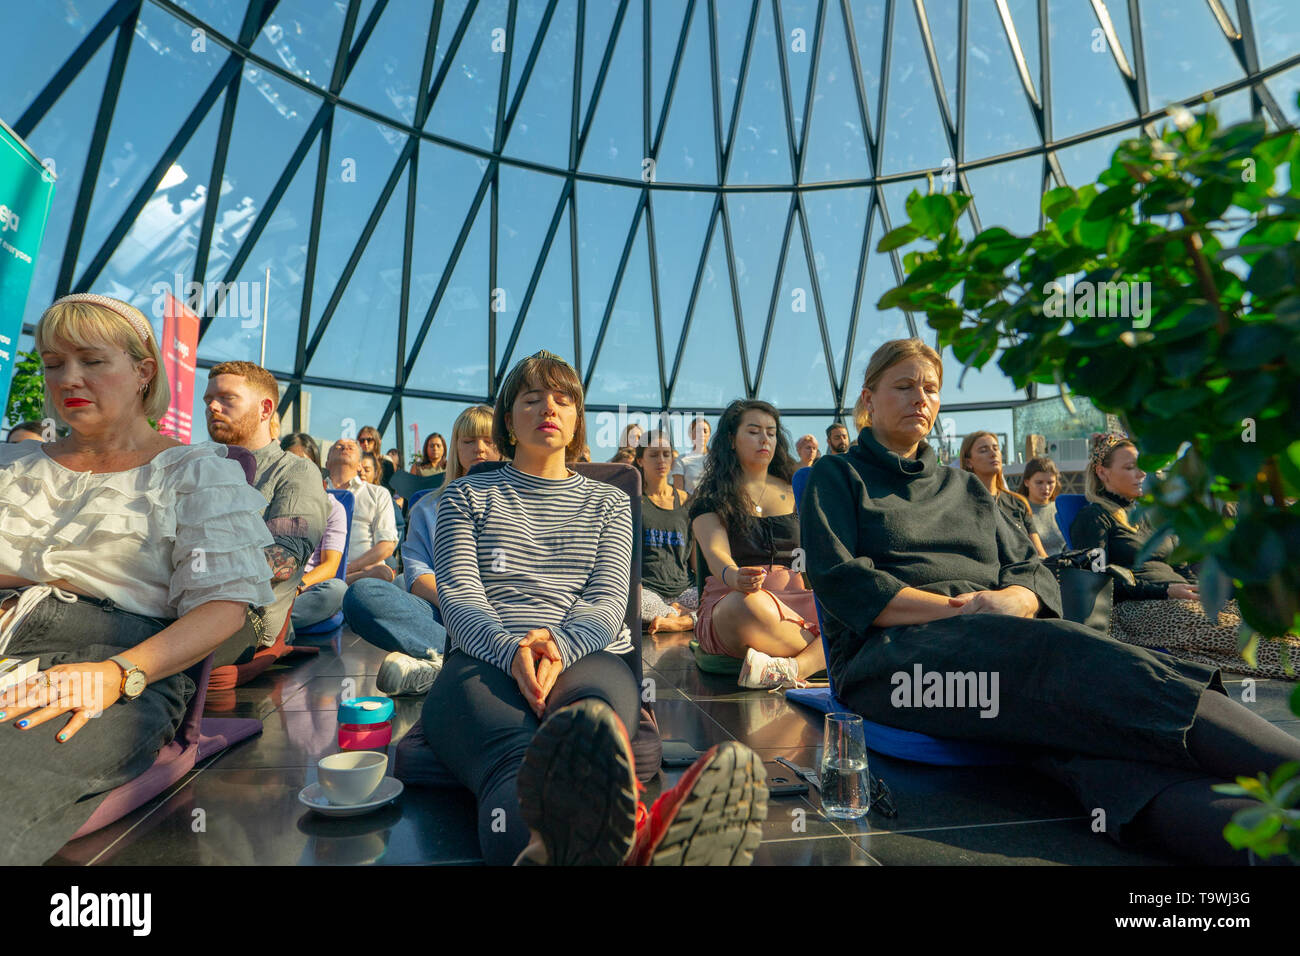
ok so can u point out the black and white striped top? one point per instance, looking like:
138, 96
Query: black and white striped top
513, 552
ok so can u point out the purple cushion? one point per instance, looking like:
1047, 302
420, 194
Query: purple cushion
196, 739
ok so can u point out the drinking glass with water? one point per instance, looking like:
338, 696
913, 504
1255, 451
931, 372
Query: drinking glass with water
846, 787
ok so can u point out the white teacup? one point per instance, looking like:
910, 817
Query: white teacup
351, 777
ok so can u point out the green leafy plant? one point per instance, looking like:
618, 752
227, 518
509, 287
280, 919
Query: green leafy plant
1187, 328
1273, 828
27, 393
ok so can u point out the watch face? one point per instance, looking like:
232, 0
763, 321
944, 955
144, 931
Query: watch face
135, 684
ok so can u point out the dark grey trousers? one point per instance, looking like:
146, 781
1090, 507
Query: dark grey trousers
49, 789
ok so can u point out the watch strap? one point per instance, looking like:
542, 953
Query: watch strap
127, 670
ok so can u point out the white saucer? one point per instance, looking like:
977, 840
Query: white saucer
313, 796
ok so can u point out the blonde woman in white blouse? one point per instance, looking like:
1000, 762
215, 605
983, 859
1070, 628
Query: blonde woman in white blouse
125, 558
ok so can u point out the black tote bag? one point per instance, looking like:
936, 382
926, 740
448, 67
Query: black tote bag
1087, 586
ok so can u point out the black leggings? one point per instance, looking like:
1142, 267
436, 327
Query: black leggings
1228, 740
1132, 733
480, 726
1185, 817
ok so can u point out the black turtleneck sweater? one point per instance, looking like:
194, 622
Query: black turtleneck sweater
874, 523
1098, 527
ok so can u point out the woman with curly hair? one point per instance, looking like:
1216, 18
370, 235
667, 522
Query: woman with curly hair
755, 604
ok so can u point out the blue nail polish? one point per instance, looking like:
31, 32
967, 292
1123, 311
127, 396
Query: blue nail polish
2, 715
22, 723
63, 737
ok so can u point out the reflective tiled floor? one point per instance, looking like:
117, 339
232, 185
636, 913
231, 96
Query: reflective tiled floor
242, 808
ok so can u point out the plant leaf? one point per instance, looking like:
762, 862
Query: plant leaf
1109, 203
899, 236
1215, 587
1287, 795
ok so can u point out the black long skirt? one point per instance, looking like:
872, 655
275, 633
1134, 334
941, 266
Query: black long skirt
1108, 719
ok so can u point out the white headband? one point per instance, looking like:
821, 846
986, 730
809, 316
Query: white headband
129, 312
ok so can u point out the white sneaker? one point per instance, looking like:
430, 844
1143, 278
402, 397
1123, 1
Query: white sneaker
401, 674
762, 671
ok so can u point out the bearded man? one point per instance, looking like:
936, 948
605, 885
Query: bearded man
240, 408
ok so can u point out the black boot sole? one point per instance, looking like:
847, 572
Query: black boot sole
577, 787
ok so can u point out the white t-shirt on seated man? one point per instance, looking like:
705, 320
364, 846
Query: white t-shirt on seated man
688, 468
374, 526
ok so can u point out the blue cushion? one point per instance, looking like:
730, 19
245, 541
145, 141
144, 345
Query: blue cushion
907, 744
410, 502
1067, 509
798, 482
331, 623
348, 502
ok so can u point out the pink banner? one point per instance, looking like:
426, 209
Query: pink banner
180, 345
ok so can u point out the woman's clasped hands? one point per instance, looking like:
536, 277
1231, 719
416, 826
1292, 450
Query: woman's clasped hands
536, 667
1015, 600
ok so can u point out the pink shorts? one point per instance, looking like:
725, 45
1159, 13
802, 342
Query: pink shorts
794, 602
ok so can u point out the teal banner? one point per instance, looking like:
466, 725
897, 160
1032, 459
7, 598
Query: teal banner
26, 192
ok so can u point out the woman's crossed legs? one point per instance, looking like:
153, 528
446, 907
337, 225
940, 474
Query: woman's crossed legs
761, 621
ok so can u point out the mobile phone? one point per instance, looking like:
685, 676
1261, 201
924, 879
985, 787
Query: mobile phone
782, 781
679, 753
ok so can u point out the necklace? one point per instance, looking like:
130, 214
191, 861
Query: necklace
759, 507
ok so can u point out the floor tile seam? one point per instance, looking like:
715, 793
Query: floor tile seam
964, 826
166, 798
715, 722
804, 838
304, 766
468, 860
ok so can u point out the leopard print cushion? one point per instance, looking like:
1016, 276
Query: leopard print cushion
1181, 628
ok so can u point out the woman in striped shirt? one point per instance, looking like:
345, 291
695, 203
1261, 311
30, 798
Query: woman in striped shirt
530, 711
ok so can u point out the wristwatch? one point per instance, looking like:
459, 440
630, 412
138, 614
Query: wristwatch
134, 680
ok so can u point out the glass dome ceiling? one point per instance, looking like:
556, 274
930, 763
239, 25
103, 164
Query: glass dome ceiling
682, 197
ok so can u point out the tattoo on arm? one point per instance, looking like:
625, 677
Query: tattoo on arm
283, 562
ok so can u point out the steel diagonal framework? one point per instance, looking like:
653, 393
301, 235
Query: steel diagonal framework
844, 22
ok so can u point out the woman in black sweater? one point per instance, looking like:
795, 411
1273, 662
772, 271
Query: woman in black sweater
917, 569
1162, 608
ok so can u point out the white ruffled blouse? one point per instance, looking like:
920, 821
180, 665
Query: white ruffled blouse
161, 539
